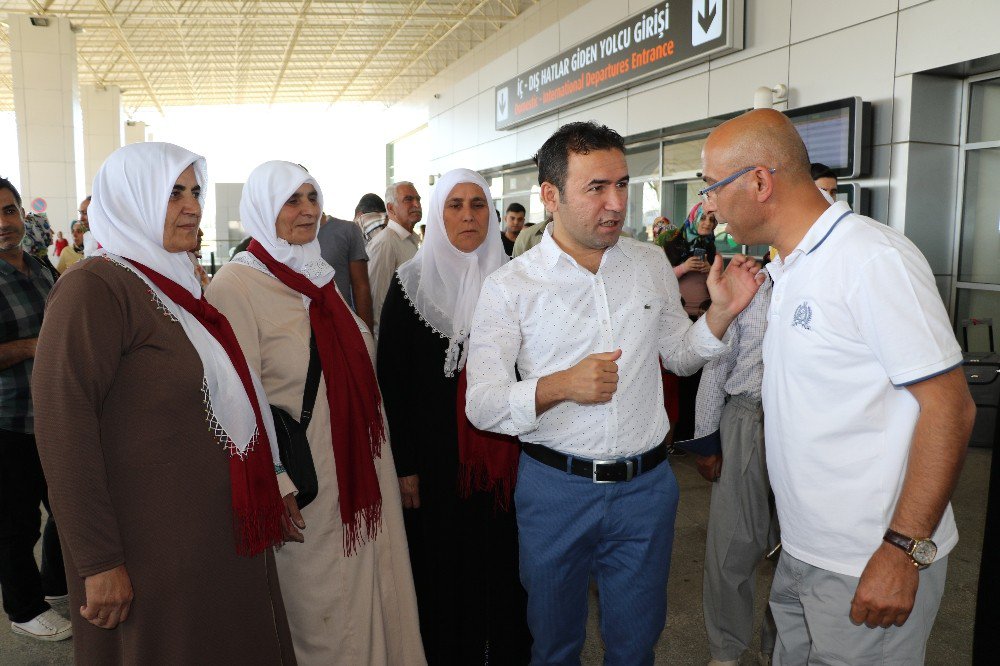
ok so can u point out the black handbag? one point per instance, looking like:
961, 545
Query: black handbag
293, 446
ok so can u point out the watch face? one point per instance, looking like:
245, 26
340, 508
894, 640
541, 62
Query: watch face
924, 552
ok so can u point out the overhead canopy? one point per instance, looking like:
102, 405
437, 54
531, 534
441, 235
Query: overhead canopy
186, 52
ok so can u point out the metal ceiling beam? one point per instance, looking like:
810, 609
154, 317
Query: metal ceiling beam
227, 51
303, 10
373, 16
127, 48
407, 64
374, 55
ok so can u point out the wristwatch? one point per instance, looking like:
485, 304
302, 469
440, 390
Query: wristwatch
921, 551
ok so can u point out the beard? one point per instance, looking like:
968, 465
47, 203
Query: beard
11, 243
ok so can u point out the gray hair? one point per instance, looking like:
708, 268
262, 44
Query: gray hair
390, 192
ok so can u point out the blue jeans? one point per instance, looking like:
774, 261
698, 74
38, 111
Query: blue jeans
621, 533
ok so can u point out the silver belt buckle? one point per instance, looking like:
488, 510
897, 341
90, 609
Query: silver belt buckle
629, 469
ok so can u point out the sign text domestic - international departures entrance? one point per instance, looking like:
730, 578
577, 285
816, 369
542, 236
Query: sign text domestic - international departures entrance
666, 37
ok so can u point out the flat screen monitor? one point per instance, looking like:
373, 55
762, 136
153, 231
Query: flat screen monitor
837, 134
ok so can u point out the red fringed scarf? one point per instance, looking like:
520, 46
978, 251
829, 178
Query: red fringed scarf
256, 500
352, 392
487, 461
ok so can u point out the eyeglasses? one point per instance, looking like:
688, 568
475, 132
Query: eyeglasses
704, 194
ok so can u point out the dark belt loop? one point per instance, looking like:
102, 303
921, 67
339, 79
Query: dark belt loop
569, 464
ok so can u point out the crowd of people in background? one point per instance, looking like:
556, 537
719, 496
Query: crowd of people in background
418, 435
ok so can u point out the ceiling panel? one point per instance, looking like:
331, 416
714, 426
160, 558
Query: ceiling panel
176, 52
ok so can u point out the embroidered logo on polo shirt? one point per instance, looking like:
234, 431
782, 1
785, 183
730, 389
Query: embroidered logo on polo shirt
803, 316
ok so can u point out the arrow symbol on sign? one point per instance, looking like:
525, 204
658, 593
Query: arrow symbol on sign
706, 19
503, 105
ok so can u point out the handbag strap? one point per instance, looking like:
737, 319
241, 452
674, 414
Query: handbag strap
312, 383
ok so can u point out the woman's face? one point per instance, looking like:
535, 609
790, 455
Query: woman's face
467, 216
298, 219
180, 229
706, 225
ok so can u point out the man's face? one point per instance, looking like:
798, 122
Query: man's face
78, 231
11, 222
515, 222
730, 204
180, 229
84, 205
406, 211
591, 207
828, 185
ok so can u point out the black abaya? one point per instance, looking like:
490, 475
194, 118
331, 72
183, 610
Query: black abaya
463, 551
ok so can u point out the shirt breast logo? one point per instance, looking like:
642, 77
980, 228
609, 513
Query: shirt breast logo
803, 316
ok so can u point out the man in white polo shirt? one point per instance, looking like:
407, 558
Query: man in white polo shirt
867, 413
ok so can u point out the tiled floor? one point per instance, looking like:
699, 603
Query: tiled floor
684, 641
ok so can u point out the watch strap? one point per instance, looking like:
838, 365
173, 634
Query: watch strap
900, 541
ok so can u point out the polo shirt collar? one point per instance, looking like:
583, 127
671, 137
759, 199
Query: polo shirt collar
823, 227
814, 238
399, 229
551, 252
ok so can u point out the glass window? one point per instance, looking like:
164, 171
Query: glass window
678, 199
536, 209
496, 185
979, 258
977, 304
643, 208
683, 158
521, 181
643, 161
984, 111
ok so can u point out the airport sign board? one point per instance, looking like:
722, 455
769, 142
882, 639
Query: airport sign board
667, 37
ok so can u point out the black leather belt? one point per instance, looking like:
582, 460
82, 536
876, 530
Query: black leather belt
599, 471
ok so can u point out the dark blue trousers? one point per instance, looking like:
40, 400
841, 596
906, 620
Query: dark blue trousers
570, 529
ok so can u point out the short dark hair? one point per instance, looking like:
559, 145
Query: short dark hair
369, 203
819, 170
580, 138
7, 185
516, 208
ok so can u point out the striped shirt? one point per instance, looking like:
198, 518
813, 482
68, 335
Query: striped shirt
22, 303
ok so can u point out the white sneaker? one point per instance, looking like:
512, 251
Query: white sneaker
49, 626
56, 599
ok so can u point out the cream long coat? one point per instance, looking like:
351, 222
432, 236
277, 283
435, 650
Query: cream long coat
341, 610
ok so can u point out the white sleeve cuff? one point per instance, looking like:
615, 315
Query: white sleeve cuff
703, 341
522, 405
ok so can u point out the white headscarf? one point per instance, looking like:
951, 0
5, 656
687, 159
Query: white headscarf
267, 189
441, 281
127, 215
129, 206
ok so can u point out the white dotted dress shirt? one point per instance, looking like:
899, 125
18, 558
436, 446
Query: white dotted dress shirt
544, 313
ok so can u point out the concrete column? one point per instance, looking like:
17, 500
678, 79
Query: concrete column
47, 109
102, 127
135, 132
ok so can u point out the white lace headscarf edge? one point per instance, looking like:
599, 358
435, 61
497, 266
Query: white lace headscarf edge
127, 216
441, 282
